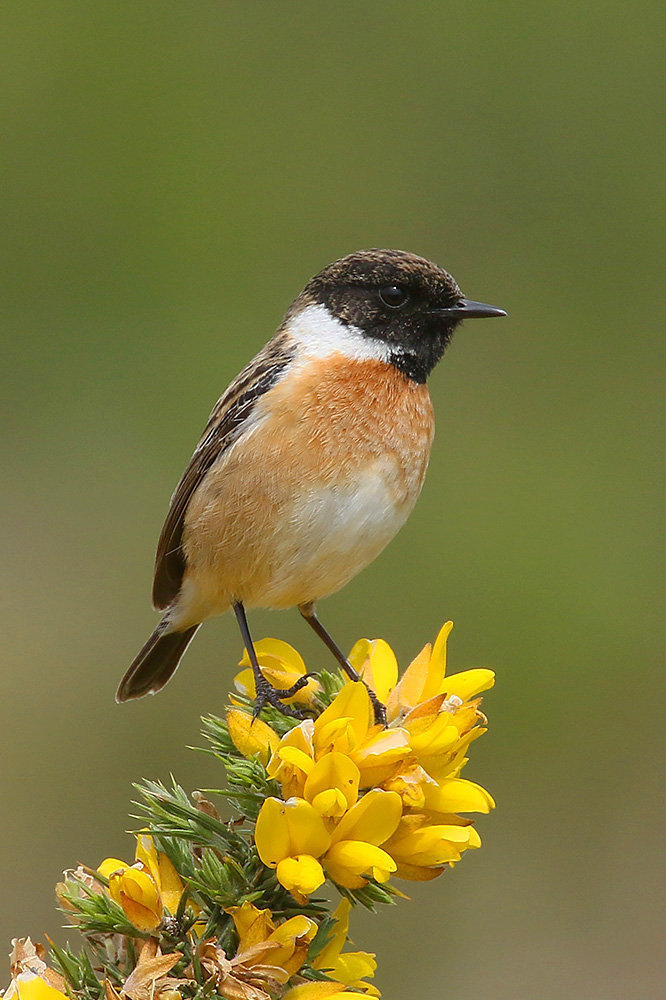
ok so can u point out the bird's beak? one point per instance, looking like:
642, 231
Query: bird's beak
467, 309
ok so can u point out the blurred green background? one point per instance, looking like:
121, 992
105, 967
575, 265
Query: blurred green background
172, 174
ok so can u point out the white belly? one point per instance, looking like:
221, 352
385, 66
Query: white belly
330, 535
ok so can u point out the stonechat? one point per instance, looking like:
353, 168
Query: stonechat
311, 460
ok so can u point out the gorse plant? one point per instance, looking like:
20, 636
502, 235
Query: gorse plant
220, 898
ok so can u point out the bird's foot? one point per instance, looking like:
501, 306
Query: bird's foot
378, 707
268, 695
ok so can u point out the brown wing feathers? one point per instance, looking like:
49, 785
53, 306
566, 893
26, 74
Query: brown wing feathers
224, 426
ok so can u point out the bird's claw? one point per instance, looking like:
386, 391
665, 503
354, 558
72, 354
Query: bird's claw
378, 707
267, 694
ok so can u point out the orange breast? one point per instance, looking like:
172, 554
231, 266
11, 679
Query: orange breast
344, 413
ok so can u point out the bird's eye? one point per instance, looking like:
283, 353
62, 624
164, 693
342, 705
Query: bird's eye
393, 296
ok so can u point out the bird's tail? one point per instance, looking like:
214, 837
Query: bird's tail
155, 663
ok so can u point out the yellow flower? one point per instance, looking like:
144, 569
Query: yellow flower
29, 986
408, 822
291, 837
409, 782
422, 849
425, 678
355, 842
291, 938
293, 759
169, 884
146, 887
332, 785
282, 666
318, 991
252, 924
136, 891
440, 732
347, 726
376, 661
455, 795
32, 979
420, 792
252, 737
349, 967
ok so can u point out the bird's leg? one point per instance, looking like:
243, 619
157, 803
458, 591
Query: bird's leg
309, 613
266, 693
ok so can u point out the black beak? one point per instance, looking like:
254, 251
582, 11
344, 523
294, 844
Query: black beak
466, 309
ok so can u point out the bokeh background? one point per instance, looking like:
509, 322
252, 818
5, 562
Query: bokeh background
172, 174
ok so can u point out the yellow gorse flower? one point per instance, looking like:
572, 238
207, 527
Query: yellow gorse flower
291, 938
32, 979
350, 967
319, 991
425, 677
282, 666
146, 887
336, 797
135, 890
291, 836
252, 737
30, 986
406, 820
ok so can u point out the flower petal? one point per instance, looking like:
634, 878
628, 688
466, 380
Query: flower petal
407, 691
317, 991
146, 853
276, 648
111, 865
375, 661
373, 819
281, 665
353, 704
455, 795
419, 873
296, 757
379, 754
433, 739
271, 833
302, 874
330, 804
171, 886
431, 845
468, 683
144, 918
30, 986
336, 942
293, 759
437, 670
307, 832
357, 858
253, 925
245, 683
294, 937
252, 737
353, 966
334, 771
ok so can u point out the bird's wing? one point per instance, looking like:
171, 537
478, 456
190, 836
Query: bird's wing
225, 425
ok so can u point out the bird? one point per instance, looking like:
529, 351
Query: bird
310, 462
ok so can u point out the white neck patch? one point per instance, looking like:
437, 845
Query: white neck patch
319, 334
